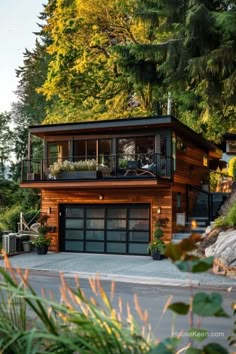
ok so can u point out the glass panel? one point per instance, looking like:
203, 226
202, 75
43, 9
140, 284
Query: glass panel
74, 212
95, 235
145, 149
73, 246
74, 223
139, 225
91, 149
94, 224
104, 152
74, 234
116, 213
95, 213
116, 247
137, 213
57, 151
138, 248
139, 236
95, 247
126, 146
116, 224
79, 150
116, 235
163, 145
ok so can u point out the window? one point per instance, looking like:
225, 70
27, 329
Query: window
57, 151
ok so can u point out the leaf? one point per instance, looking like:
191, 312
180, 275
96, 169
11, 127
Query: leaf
206, 304
221, 313
195, 265
214, 348
167, 346
202, 265
193, 351
198, 334
179, 307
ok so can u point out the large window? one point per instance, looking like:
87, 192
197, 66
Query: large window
135, 148
92, 149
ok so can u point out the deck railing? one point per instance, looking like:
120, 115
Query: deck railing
119, 166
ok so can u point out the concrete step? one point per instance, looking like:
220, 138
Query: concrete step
180, 235
199, 223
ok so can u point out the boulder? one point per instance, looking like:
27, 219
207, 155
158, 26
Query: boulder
224, 252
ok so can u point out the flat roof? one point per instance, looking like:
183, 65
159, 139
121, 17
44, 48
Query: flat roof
121, 125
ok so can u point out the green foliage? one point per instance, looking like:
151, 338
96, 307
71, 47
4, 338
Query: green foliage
32, 324
232, 168
228, 220
157, 244
10, 217
42, 239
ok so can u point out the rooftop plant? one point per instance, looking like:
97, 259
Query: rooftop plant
82, 165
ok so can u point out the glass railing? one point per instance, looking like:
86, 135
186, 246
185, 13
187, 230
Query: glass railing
120, 166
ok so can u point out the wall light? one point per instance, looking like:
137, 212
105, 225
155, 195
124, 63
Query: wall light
101, 197
49, 210
159, 210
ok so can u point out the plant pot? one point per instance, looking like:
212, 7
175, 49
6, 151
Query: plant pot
156, 255
26, 246
42, 249
79, 175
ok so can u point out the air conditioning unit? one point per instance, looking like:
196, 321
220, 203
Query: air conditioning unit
9, 243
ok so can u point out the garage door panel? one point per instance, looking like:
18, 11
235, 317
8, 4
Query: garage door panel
135, 236
95, 247
95, 224
74, 223
95, 235
116, 235
74, 246
116, 247
74, 234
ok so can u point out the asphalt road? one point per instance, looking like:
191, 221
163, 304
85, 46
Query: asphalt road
153, 299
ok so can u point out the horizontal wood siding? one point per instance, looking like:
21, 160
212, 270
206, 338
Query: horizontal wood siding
51, 200
189, 166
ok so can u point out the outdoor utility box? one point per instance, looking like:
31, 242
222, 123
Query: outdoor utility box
9, 243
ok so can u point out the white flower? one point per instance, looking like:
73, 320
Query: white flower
82, 165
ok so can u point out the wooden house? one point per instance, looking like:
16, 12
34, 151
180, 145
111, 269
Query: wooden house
105, 183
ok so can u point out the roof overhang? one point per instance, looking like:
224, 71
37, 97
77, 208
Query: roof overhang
121, 125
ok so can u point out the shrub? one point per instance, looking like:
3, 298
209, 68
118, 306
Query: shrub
232, 168
10, 217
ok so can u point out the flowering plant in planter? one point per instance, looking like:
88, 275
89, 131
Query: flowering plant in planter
66, 166
42, 242
157, 245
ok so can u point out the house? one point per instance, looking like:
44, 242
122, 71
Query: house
140, 169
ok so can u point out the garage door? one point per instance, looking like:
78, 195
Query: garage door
120, 229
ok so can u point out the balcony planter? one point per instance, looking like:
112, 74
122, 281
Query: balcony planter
75, 175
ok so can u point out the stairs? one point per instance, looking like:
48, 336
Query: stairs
206, 208
195, 225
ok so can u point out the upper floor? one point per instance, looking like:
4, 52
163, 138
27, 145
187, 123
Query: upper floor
146, 151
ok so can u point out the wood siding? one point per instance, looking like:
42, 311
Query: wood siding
189, 166
51, 200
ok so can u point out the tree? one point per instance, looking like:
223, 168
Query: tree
6, 142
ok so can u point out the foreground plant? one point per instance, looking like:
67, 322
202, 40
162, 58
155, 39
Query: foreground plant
31, 324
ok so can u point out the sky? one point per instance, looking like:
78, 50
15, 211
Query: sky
18, 21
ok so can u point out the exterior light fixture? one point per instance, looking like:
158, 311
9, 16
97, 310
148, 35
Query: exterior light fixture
101, 197
49, 210
159, 210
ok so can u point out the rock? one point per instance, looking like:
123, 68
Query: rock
224, 247
224, 252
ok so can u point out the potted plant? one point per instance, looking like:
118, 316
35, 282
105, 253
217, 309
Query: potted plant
42, 242
157, 246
